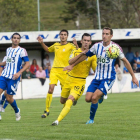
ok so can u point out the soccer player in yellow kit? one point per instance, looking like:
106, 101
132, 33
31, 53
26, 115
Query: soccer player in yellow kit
75, 82
62, 52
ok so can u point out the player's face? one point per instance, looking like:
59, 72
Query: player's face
106, 36
86, 42
15, 40
63, 36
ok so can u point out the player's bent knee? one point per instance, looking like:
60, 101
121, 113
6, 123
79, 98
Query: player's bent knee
71, 97
8, 99
88, 99
51, 90
63, 100
94, 100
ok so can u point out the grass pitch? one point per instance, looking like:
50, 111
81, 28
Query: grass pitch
117, 118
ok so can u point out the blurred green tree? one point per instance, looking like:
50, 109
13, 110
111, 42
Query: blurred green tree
18, 15
114, 13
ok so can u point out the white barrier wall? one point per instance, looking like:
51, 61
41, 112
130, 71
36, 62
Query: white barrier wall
126, 85
32, 88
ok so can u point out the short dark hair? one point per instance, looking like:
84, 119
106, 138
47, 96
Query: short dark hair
108, 28
86, 34
16, 34
64, 30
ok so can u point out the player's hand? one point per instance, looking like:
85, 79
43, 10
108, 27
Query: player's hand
75, 42
135, 81
85, 51
40, 39
68, 68
16, 76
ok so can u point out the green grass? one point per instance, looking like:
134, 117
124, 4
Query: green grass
117, 118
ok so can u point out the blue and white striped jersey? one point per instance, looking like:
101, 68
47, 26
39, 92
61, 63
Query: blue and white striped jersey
4, 59
105, 66
14, 57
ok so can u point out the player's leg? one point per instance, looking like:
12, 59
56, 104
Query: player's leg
48, 100
3, 97
4, 106
90, 91
49, 97
75, 94
103, 87
88, 97
65, 110
63, 100
2, 101
94, 105
64, 82
13, 103
11, 89
65, 92
3, 85
53, 82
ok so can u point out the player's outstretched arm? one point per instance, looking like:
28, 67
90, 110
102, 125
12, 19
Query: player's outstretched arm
82, 58
74, 59
82, 54
3, 63
26, 66
128, 66
40, 40
70, 67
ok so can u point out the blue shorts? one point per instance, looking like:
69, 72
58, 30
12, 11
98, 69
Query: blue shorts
103, 85
9, 84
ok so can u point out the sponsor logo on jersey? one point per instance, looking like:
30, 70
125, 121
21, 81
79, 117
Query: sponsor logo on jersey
8, 60
101, 59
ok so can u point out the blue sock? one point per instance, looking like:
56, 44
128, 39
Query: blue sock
5, 104
93, 109
14, 105
2, 99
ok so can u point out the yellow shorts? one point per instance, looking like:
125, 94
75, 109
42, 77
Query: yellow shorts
74, 87
57, 74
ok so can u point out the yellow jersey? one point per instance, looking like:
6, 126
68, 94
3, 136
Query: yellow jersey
82, 69
62, 53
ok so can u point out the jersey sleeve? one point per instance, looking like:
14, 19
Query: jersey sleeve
24, 55
4, 59
91, 51
52, 48
121, 54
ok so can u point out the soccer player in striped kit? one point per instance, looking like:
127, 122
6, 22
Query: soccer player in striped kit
10, 76
3, 97
105, 73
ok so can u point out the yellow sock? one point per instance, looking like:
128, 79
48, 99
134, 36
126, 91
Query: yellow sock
64, 105
65, 110
48, 101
